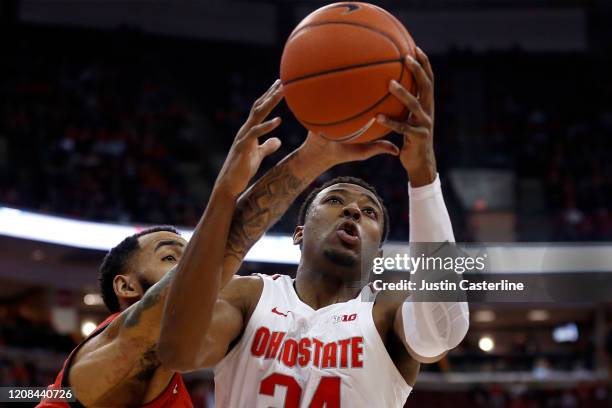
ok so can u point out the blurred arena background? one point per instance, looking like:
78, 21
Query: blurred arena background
122, 112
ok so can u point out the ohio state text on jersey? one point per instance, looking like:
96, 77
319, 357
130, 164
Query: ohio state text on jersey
291, 355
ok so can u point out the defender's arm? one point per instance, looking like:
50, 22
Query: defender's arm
192, 297
127, 348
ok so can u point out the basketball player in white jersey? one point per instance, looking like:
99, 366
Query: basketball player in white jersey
315, 341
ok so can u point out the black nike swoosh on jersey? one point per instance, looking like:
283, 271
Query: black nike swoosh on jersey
350, 7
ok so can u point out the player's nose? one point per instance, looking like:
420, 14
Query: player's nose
352, 210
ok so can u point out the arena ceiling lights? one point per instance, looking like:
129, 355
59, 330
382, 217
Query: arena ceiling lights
103, 236
511, 257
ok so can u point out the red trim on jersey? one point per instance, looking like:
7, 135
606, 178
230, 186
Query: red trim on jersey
175, 395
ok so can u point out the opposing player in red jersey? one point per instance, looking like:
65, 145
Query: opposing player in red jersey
117, 365
313, 341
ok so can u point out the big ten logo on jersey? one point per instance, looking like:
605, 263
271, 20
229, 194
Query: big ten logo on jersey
344, 318
307, 351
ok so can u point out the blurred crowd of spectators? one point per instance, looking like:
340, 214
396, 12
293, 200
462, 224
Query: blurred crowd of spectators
570, 158
93, 140
32, 352
587, 395
549, 118
16, 373
24, 333
22, 342
122, 131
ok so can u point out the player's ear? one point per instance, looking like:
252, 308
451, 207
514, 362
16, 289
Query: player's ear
126, 287
298, 235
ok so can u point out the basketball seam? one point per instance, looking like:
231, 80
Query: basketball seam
347, 23
346, 68
375, 104
406, 35
388, 37
369, 108
349, 137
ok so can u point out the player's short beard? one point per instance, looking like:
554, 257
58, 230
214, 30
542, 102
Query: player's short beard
339, 258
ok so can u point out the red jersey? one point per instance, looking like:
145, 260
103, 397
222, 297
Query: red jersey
175, 395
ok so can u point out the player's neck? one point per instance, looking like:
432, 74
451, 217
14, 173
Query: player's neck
318, 289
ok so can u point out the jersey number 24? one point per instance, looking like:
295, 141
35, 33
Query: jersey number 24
327, 394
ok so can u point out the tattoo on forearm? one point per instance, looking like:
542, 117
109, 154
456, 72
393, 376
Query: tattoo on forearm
150, 299
256, 211
261, 206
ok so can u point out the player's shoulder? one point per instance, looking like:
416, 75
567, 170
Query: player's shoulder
245, 282
251, 285
243, 289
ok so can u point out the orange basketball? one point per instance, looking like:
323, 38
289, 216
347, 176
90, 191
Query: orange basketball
336, 68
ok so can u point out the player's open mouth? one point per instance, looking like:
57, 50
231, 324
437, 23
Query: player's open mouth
348, 233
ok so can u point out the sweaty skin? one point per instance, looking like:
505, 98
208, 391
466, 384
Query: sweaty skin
122, 366
184, 344
329, 264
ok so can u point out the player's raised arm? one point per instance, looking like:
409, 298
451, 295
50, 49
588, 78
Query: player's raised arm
185, 343
127, 347
197, 281
267, 200
429, 329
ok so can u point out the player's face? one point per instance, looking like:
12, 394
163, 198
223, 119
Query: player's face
345, 224
159, 252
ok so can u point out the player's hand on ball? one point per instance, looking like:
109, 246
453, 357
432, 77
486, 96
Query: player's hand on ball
331, 153
417, 153
246, 153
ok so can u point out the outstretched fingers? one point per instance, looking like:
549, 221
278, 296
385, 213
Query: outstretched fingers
266, 103
263, 128
424, 60
269, 146
423, 75
419, 115
403, 128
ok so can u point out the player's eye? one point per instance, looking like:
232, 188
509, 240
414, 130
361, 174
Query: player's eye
170, 258
333, 200
370, 212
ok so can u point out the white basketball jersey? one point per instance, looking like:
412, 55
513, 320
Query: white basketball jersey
291, 355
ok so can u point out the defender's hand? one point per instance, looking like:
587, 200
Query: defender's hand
417, 154
246, 154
